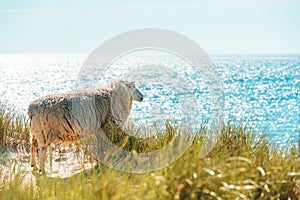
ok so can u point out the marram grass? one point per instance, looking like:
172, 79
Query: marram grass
240, 166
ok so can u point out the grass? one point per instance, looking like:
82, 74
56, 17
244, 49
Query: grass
240, 166
14, 128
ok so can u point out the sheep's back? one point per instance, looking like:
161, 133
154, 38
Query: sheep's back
69, 116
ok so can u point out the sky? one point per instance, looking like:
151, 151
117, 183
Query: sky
218, 26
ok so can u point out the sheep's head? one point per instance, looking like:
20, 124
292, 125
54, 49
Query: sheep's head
136, 95
123, 93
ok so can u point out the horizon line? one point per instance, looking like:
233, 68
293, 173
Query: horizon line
212, 54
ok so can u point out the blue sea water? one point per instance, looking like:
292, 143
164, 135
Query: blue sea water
265, 91
261, 90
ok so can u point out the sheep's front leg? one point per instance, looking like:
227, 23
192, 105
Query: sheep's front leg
43, 156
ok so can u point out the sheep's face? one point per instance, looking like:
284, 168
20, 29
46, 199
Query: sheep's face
135, 93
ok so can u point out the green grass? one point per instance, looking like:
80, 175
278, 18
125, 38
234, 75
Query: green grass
240, 166
14, 128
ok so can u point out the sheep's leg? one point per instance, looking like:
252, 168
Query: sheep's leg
43, 156
33, 151
34, 142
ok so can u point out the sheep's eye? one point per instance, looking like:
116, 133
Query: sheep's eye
131, 86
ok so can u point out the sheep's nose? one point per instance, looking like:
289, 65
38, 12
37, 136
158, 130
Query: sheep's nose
138, 96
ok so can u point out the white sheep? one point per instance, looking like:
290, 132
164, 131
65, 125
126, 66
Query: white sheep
68, 117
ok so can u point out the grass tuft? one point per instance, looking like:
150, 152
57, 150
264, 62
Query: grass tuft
14, 129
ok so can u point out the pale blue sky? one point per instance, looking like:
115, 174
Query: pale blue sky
219, 26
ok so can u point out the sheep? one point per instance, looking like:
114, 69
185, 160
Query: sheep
69, 117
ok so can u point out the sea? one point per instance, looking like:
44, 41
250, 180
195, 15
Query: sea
261, 91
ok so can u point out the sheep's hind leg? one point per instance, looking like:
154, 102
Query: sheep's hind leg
33, 151
43, 156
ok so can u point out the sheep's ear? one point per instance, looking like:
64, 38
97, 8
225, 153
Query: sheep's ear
132, 83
